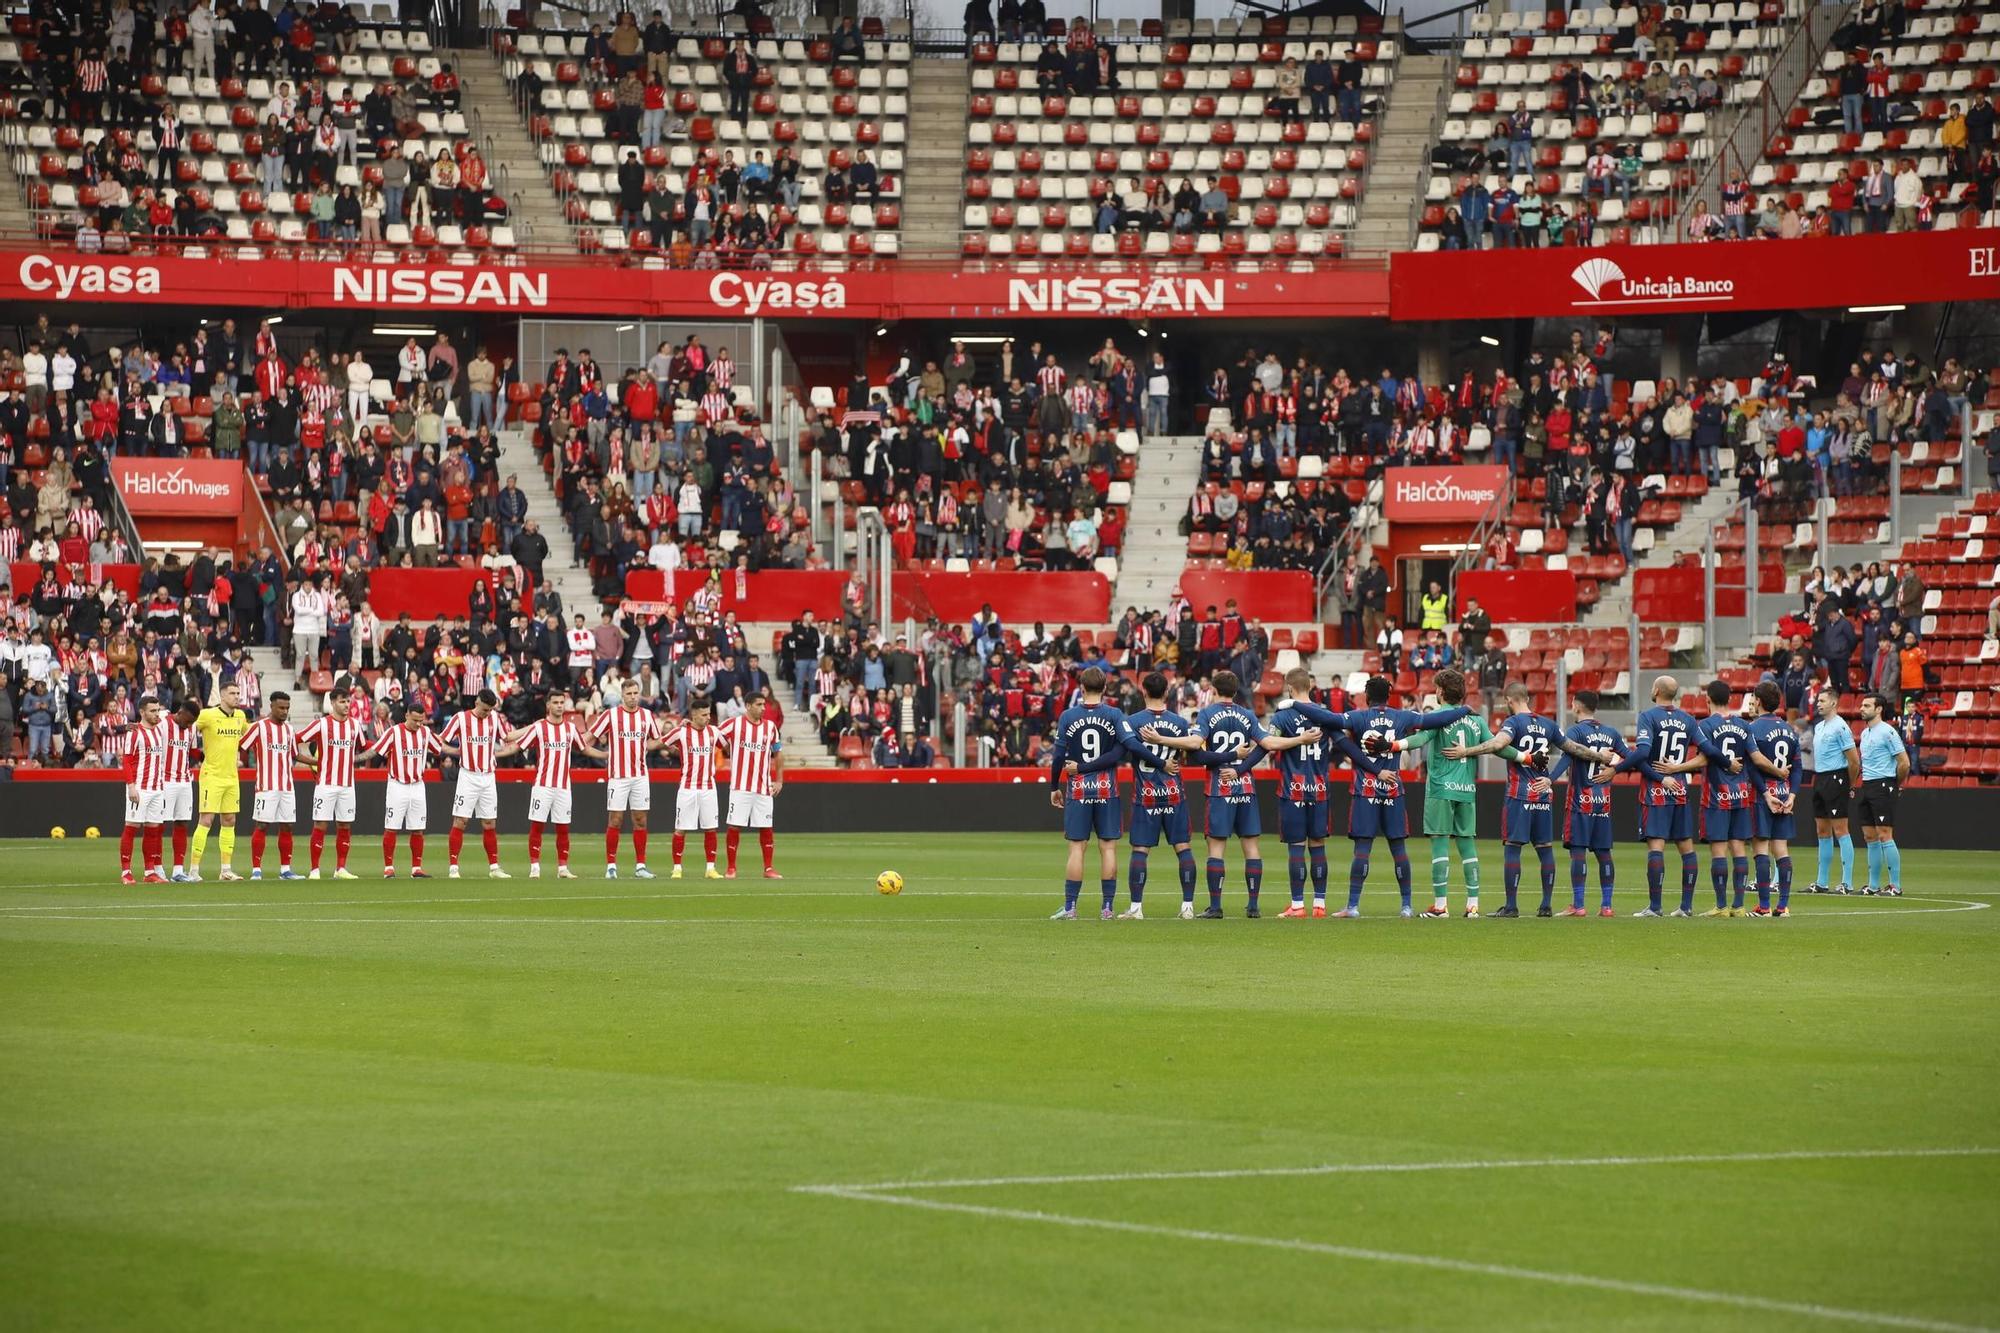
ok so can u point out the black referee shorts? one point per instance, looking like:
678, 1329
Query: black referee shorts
1878, 803
1829, 795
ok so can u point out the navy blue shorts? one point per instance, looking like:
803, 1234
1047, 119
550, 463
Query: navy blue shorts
1234, 817
1725, 825
1672, 823
1524, 821
1084, 819
1590, 833
1768, 825
1377, 819
1299, 821
1155, 824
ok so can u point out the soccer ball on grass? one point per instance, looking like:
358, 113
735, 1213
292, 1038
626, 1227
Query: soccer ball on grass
58, 833
91, 832
889, 882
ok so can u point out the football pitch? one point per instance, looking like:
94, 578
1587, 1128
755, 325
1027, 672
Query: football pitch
748, 1105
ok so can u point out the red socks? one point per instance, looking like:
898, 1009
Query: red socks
457, 843
611, 845
180, 844
388, 850
492, 841
257, 836
767, 839
734, 838
285, 846
318, 845
416, 851
534, 844
152, 846
562, 844
708, 845
125, 846
639, 845
680, 845
343, 838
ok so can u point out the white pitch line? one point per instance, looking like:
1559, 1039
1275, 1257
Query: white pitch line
543, 920
1619, 1286
740, 895
1394, 1168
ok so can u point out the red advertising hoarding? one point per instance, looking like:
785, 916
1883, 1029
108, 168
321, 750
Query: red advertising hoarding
1520, 596
1908, 268
892, 290
1275, 596
179, 487
1441, 494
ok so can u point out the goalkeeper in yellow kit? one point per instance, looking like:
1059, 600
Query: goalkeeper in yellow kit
220, 728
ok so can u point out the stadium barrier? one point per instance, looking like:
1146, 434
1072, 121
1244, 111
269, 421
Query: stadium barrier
26, 574
890, 801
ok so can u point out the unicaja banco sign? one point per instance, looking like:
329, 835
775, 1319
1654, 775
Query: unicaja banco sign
1606, 284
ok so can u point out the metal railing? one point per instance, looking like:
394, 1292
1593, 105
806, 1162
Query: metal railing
874, 558
1489, 525
1356, 537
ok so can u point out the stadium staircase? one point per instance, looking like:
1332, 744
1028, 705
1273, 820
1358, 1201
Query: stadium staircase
1614, 601
1387, 219
934, 163
517, 456
536, 214
1154, 552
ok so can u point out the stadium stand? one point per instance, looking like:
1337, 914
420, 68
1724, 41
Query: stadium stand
826, 115
1204, 143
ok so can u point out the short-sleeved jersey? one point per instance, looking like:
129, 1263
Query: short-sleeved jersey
337, 741
180, 743
1452, 779
1536, 738
1832, 742
1881, 746
144, 751
275, 747
697, 751
476, 739
1227, 728
1090, 735
1724, 737
408, 750
1303, 769
1157, 787
1777, 742
626, 734
221, 732
554, 744
1589, 784
753, 754
1665, 736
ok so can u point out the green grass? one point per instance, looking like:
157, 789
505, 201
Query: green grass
536, 1105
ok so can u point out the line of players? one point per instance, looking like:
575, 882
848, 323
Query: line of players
1748, 794
161, 781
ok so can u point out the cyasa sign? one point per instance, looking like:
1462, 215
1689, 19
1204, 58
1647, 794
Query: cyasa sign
1440, 494
178, 487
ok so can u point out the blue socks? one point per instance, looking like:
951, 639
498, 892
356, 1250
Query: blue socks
1317, 856
1547, 852
1357, 873
1784, 881
1763, 881
1892, 861
1846, 859
1188, 875
1607, 876
1875, 859
1656, 877
1253, 877
1510, 872
1215, 881
1402, 859
1072, 889
1136, 874
1690, 876
1109, 888
1295, 866
1718, 876
1578, 873
1825, 879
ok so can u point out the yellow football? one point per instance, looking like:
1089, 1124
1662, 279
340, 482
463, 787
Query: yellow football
91, 832
57, 832
889, 882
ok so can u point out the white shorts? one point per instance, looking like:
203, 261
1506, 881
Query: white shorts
548, 805
180, 802
694, 809
404, 807
333, 805
476, 797
148, 807
628, 794
275, 807
749, 811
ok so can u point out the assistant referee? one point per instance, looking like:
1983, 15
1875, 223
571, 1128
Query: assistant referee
1836, 768
1885, 765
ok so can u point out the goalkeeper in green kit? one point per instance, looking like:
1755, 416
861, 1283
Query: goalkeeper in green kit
1450, 812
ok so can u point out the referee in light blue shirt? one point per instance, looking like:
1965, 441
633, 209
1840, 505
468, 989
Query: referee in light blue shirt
1836, 767
1884, 766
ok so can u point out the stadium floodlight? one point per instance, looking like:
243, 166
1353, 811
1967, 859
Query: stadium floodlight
1875, 309
1489, 340
404, 331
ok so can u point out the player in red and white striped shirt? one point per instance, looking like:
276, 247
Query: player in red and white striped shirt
276, 747
628, 733
549, 800
144, 762
179, 728
336, 739
756, 776
477, 733
408, 746
694, 805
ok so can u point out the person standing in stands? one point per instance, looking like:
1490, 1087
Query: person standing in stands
739, 72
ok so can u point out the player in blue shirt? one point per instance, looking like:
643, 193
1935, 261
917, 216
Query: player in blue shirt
1836, 772
1526, 815
1885, 766
1083, 781
1663, 748
1587, 811
1376, 809
1223, 729
1777, 791
1305, 761
1727, 793
1159, 805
